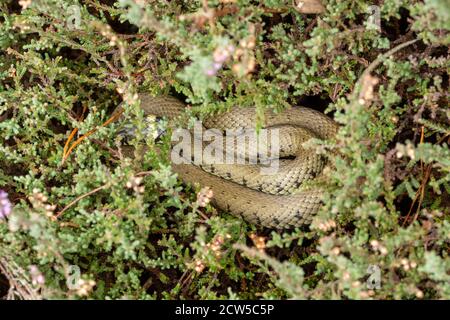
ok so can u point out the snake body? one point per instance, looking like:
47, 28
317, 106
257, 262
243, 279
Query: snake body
268, 200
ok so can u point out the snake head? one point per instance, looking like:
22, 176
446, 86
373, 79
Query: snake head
155, 128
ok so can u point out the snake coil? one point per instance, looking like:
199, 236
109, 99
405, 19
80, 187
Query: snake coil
268, 200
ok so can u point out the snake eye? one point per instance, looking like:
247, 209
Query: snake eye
126, 131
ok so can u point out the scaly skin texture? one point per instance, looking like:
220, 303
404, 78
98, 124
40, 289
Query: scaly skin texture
268, 200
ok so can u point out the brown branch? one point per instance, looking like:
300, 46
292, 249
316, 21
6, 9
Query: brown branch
80, 198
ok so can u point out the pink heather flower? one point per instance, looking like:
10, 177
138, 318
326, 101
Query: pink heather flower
210, 72
37, 278
5, 205
220, 56
230, 48
33, 269
213, 70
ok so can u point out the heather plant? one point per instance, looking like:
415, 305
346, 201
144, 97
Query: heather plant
79, 219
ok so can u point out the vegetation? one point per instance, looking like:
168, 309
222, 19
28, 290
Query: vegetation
79, 220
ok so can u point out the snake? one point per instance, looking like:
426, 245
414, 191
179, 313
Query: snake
275, 200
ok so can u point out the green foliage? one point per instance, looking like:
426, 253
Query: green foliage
134, 231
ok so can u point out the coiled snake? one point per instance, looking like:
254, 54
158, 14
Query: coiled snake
266, 200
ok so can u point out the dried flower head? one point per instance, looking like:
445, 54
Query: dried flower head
135, 183
204, 196
199, 266
39, 201
327, 225
85, 287
259, 242
25, 3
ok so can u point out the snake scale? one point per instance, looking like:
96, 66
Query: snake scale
272, 201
